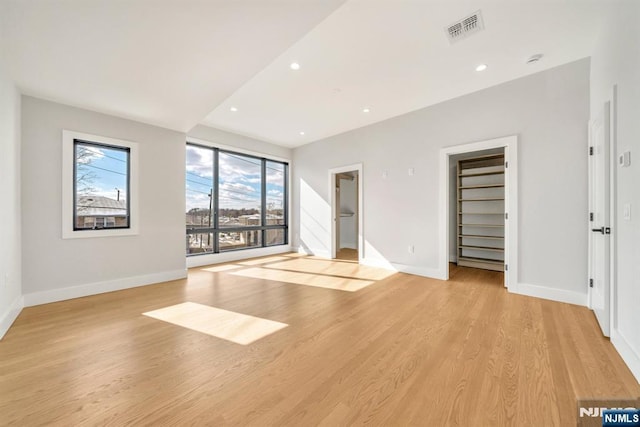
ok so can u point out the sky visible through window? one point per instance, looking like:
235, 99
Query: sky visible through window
239, 181
101, 171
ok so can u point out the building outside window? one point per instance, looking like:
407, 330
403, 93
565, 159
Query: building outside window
99, 186
234, 201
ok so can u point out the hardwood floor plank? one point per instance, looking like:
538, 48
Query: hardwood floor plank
405, 350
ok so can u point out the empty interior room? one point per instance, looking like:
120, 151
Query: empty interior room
335, 212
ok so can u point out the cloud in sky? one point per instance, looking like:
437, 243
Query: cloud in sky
199, 161
239, 179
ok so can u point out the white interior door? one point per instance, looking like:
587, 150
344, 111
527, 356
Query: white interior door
600, 221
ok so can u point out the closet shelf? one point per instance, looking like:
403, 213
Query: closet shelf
463, 175
478, 236
480, 213
488, 260
471, 187
482, 248
481, 197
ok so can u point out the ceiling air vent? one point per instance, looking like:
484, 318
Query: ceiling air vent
465, 27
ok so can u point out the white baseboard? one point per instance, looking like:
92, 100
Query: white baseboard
61, 294
628, 353
210, 259
11, 315
432, 273
453, 258
554, 294
319, 253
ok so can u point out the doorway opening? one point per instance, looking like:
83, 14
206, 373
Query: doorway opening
478, 207
477, 214
346, 208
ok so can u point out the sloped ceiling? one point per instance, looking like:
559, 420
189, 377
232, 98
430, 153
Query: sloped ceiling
179, 63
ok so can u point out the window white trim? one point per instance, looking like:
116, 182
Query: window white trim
68, 138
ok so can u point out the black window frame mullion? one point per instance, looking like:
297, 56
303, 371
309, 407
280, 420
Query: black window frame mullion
263, 201
285, 210
263, 227
215, 202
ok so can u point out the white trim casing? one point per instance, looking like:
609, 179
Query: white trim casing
67, 187
510, 144
61, 294
11, 315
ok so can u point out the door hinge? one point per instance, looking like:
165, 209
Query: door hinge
590, 216
591, 151
591, 283
506, 165
506, 267
506, 215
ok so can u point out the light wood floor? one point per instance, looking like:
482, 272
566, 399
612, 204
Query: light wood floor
346, 254
403, 350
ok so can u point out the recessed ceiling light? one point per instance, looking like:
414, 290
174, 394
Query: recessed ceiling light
234, 109
481, 67
534, 58
294, 66
302, 133
365, 110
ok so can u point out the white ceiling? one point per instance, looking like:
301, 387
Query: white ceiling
163, 62
177, 63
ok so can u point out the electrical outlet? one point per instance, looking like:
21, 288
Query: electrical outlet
412, 171
626, 211
411, 249
385, 174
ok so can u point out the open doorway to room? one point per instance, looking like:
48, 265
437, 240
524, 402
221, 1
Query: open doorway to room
478, 203
346, 209
477, 209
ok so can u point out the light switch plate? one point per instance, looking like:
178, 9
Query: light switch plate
626, 211
624, 159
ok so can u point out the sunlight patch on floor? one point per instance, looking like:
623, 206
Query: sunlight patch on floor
307, 279
335, 268
219, 268
227, 325
263, 260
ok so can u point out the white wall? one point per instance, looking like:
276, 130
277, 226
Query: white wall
10, 255
56, 268
349, 204
238, 141
616, 60
549, 112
